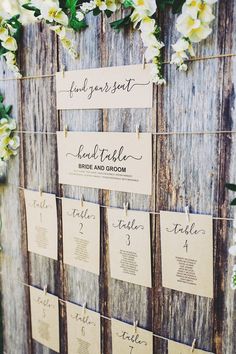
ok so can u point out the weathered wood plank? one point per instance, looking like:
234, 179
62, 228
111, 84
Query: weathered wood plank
40, 161
15, 317
80, 286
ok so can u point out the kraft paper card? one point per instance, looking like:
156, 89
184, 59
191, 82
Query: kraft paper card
178, 348
114, 161
41, 212
187, 253
127, 86
130, 246
45, 318
81, 234
127, 339
83, 327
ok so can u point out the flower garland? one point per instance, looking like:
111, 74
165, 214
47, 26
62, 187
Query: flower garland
9, 141
67, 16
10, 29
193, 24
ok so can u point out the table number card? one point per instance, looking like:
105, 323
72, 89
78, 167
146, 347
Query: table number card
129, 246
187, 253
114, 161
41, 212
127, 86
83, 327
129, 340
178, 348
81, 234
45, 318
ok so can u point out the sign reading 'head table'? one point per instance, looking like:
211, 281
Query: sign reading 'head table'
127, 86
113, 161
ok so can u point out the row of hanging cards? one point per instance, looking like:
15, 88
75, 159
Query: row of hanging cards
186, 244
84, 329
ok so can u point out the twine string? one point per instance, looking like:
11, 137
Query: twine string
208, 57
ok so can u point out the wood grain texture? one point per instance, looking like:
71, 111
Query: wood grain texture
187, 169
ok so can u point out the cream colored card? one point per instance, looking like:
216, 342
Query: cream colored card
41, 212
130, 246
83, 328
178, 348
114, 161
187, 253
45, 318
127, 339
81, 234
127, 86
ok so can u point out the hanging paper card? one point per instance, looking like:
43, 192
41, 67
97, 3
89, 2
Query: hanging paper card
178, 348
127, 339
83, 327
81, 234
41, 212
129, 246
114, 161
45, 318
187, 253
127, 86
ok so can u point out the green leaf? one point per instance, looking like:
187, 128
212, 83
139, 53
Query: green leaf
76, 24
177, 6
128, 3
108, 13
233, 203
231, 187
123, 22
96, 11
30, 7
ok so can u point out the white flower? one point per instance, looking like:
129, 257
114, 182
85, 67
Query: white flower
79, 15
88, 6
200, 33
59, 30
183, 67
185, 24
3, 33
148, 25
151, 52
51, 11
205, 14
101, 5
181, 45
178, 58
10, 44
142, 9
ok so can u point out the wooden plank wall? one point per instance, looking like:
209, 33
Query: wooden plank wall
186, 169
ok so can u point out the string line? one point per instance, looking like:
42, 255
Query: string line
30, 77
157, 133
150, 212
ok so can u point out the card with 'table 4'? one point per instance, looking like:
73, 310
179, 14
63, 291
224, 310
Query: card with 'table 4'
127, 86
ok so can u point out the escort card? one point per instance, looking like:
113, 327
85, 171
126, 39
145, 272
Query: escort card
45, 318
81, 234
127, 86
187, 253
41, 212
129, 246
83, 328
178, 348
114, 161
127, 339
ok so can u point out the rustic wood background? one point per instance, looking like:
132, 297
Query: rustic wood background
186, 169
